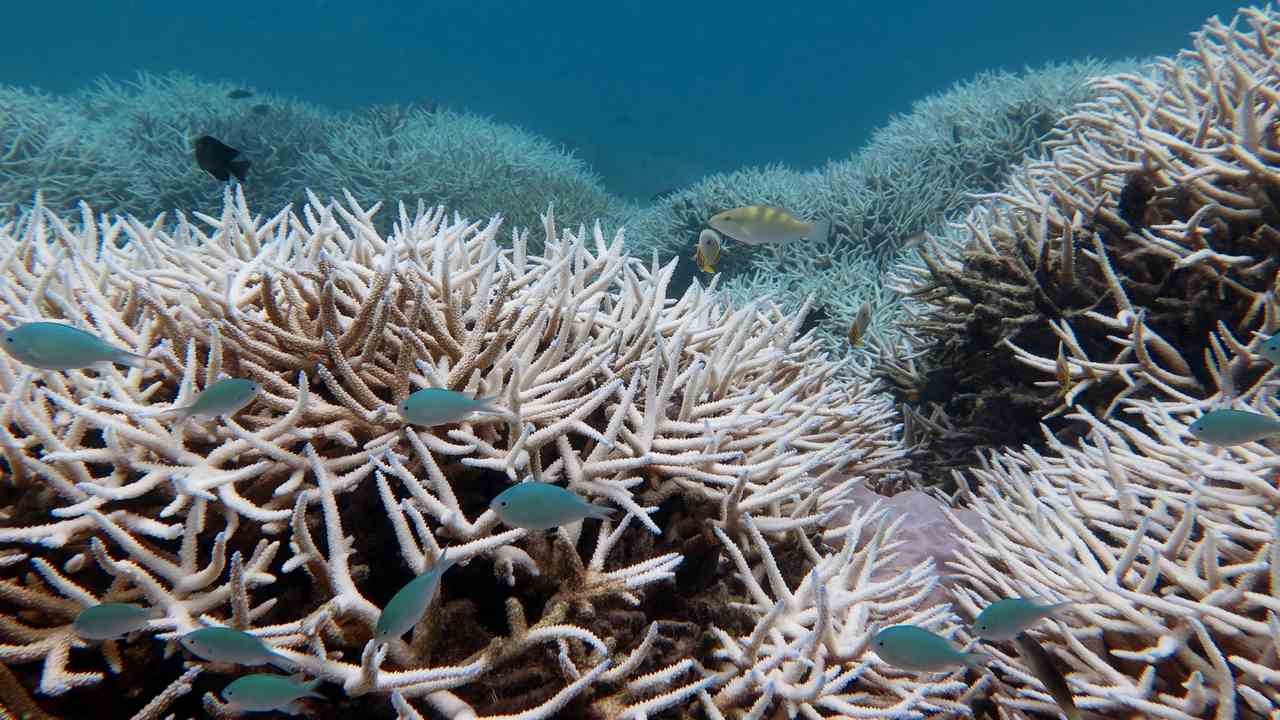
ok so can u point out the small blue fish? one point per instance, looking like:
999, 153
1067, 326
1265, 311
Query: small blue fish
262, 692
108, 621
1271, 349
227, 396
536, 505
1225, 428
228, 645
1004, 619
406, 607
54, 346
436, 406
914, 648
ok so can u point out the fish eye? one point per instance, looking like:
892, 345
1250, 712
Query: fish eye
502, 504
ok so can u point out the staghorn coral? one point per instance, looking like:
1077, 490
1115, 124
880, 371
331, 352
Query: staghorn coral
720, 432
126, 147
473, 165
1153, 218
1169, 549
915, 172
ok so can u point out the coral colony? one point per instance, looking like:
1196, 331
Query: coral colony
304, 463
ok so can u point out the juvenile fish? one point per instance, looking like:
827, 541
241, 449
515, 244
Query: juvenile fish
1003, 619
708, 251
1042, 665
54, 346
763, 225
228, 645
436, 406
406, 607
1225, 428
536, 505
108, 621
227, 396
914, 648
861, 321
263, 692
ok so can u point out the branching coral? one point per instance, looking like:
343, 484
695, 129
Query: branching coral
916, 171
1104, 267
721, 433
1169, 549
127, 147
475, 166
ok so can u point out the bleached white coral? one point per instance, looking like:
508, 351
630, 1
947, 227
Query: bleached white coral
297, 518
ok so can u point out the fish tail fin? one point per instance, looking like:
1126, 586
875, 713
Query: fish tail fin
976, 659
821, 229
445, 561
132, 359
177, 412
284, 663
600, 512
239, 168
486, 404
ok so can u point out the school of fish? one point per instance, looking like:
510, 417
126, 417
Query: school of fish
535, 506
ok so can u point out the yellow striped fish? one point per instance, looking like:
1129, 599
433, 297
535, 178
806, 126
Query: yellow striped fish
762, 225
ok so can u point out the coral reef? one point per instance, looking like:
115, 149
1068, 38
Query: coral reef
914, 172
1097, 274
472, 165
1123, 288
1168, 549
726, 439
125, 147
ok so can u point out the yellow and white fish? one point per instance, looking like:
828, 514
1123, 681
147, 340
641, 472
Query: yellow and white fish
763, 225
708, 251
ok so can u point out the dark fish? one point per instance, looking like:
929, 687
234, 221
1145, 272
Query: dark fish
1134, 196
985, 709
217, 158
262, 109
1041, 663
240, 94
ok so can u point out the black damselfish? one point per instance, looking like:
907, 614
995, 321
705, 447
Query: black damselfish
217, 158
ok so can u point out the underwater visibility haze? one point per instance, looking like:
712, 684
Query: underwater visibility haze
640, 360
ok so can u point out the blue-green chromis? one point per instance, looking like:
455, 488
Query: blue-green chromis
536, 505
54, 346
914, 648
228, 645
263, 692
406, 607
1003, 619
436, 406
1271, 349
108, 621
227, 396
1225, 428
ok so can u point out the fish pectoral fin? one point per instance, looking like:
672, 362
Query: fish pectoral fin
821, 230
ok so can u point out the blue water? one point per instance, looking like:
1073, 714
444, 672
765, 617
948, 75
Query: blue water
652, 94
